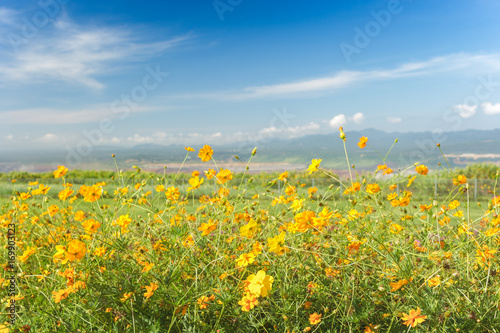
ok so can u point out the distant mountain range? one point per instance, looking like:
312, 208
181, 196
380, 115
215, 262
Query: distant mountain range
462, 147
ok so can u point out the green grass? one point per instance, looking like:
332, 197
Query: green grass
354, 260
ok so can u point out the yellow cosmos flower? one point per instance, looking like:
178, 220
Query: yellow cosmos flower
245, 259
259, 284
314, 165
205, 153
27, 253
249, 229
195, 183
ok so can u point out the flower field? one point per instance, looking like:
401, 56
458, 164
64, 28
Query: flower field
363, 257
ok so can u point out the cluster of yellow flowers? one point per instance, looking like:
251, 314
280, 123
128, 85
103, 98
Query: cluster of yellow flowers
149, 245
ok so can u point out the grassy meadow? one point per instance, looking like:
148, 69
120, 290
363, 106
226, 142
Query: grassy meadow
383, 251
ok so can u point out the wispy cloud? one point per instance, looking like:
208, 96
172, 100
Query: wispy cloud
290, 131
450, 63
42, 116
465, 111
394, 120
7, 16
176, 138
77, 54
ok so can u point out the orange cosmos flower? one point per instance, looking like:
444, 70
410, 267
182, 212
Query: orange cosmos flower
173, 193
188, 148
315, 318
413, 318
65, 194
461, 179
76, 250
60, 172
387, 171
382, 167
311, 191
283, 176
27, 253
206, 153
100, 251
410, 180
150, 289
372, 188
397, 285
435, 281
123, 221
210, 173
61, 294
207, 228
126, 296
362, 142
224, 175
53, 209
203, 301
92, 194
91, 226
422, 169
248, 302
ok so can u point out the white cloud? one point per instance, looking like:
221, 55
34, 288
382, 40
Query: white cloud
49, 137
465, 111
461, 63
139, 139
491, 109
337, 121
358, 118
78, 54
394, 120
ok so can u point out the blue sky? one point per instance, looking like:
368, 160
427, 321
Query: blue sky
195, 72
